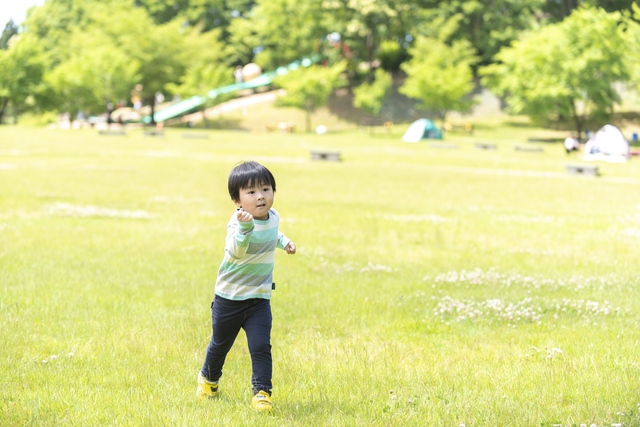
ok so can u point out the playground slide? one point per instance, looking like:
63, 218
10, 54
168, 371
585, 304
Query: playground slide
264, 79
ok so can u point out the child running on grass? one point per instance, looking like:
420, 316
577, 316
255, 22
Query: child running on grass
244, 284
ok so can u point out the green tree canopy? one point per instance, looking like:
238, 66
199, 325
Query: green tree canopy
96, 74
560, 9
365, 24
566, 68
440, 75
205, 72
22, 66
99, 50
488, 26
370, 97
277, 33
9, 31
309, 88
210, 14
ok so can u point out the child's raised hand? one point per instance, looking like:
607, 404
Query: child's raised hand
291, 248
244, 216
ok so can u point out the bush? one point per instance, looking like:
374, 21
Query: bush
37, 119
391, 55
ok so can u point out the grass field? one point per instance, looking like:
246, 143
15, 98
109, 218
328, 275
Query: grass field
432, 287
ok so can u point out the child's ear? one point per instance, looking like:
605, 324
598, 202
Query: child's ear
238, 204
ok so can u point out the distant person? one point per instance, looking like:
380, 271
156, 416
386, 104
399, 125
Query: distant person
571, 144
244, 284
238, 74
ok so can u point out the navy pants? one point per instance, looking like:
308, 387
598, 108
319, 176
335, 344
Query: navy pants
227, 317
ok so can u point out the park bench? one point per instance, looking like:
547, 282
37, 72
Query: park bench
373, 123
529, 149
543, 140
154, 133
465, 127
443, 145
325, 155
282, 127
482, 146
112, 132
582, 170
196, 135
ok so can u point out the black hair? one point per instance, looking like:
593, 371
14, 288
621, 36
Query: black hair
248, 174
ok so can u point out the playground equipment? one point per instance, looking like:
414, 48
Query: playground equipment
263, 79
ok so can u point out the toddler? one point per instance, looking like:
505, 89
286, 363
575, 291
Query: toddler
244, 283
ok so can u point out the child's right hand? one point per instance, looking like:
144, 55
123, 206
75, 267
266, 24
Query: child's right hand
244, 216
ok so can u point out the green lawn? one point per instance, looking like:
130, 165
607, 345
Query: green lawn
431, 286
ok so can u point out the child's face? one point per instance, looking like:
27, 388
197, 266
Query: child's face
256, 200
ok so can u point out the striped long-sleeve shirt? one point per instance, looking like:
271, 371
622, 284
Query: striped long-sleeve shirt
247, 268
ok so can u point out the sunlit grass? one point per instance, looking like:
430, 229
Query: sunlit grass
431, 287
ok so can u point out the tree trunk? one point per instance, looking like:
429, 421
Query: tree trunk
370, 54
443, 117
308, 119
3, 106
577, 119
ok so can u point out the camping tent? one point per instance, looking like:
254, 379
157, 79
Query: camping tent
608, 144
421, 129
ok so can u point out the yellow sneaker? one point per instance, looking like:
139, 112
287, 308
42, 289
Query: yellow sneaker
206, 388
262, 402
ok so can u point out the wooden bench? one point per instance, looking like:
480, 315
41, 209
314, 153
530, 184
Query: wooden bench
443, 145
582, 170
196, 135
486, 146
112, 132
543, 140
466, 127
325, 155
282, 127
529, 149
373, 123
154, 133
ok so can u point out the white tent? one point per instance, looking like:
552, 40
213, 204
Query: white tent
421, 129
608, 144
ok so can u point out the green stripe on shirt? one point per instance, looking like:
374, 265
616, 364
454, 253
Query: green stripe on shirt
252, 269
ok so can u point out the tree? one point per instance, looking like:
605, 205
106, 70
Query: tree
440, 75
309, 88
278, 32
9, 31
22, 66
365, 24
392, 54
207, 72
211, 14
487, 25
370, 97
165, 52
560, 9
567, 68
54, 22
97, 74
